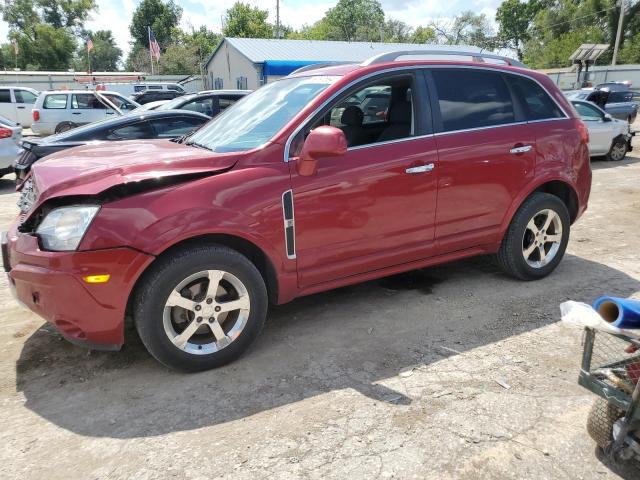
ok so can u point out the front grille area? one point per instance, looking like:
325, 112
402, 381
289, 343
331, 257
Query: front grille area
28, 196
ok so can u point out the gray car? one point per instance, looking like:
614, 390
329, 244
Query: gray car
10, 139
620, 103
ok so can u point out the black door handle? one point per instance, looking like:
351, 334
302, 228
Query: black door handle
21, 108
76, 113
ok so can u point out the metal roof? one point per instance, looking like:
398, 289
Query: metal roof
260, 50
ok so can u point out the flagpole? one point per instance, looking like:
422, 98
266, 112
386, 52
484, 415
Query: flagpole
150, 54
88, 59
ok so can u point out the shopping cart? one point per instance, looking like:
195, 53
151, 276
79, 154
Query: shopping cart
611, 369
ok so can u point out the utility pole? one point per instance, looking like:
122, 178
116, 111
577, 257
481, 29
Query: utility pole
618, 34
277, 18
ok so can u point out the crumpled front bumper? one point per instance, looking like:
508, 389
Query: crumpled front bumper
52, 285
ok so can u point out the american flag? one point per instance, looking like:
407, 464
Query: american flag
153, 46
89, 45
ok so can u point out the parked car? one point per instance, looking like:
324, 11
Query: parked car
269, 201
16, 104
57, 111
608, 136
128, 89
10, 137
208, 102
148, 96
621, 104
167, 125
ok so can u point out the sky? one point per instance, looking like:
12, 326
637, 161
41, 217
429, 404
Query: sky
115, 15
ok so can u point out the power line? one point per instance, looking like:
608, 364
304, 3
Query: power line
579, 18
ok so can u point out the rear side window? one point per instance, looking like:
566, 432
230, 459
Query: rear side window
175, 127
472, 99
208, 106
615, 97
537, 103
131, 132
57, 101
25, 96
86, 101
5, 96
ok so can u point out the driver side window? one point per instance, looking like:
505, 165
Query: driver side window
378, 112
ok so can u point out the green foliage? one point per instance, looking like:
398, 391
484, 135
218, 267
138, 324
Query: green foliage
424, 35
396, 31
243, 20
44, 31
468, 28
162, 17
105, 55
355, 20
514, 18
630, 53
188, 52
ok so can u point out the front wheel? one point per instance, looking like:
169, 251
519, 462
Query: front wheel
618, 150
536, 239
200, 307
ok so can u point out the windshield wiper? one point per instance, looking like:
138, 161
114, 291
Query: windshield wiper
198, 145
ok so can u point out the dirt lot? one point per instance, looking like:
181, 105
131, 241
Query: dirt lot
397, 378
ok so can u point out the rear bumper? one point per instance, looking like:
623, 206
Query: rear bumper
51, 285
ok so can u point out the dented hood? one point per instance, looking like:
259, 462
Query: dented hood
92, 169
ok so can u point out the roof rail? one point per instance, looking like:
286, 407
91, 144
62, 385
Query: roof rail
476, 56
314, 66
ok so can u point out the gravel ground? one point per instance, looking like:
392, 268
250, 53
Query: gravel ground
396, 378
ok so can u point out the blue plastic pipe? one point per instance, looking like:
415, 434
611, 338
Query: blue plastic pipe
619, 312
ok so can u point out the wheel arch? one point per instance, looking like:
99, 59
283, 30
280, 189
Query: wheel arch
249, 249
558, 187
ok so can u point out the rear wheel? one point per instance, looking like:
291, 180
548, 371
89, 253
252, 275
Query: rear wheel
65, 127
600, 422
536, 239
618, 150
200, 307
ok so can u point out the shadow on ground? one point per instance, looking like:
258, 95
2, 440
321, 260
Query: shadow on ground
8, 185
347, 338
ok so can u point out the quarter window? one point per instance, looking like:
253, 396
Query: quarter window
57, 101
472, 99
130, 132
537, 103
5, 96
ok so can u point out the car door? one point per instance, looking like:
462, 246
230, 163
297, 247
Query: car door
374, 206
486, 154
86, 108
600, 133
7, 106
24, 100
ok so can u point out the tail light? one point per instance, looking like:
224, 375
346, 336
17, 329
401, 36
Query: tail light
5, 132
583, 131
36, 115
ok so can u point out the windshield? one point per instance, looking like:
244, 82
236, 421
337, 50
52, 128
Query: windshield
256, 118
171, 104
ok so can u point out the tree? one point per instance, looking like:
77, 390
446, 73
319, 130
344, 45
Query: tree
243, 20
355, 20
631, 51
423, 35
44, 30
105, 55
188, 52
162, 17
514, 18
396, 31
467, 28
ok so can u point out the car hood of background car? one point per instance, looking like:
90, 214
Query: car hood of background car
92, 169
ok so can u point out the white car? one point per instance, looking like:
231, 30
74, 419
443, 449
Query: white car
10, 139
129, 89
60, 110
608, 136
16, 104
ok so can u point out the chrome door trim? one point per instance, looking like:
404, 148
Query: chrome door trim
522, 149
420, 169
288, 215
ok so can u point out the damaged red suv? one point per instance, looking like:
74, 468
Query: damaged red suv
329, 177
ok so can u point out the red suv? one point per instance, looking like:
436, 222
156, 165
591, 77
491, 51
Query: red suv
329, 177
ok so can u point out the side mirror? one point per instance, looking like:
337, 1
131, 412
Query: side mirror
607, 118
324, 141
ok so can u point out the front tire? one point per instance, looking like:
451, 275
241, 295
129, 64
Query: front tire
200, 307
536, 239
618, 150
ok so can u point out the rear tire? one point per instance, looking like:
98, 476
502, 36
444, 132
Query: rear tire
186, 321
618, 150
65, 127
531, 249
600, 422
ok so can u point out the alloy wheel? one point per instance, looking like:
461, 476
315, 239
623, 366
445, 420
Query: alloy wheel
206, 311
542, 238
618, 151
